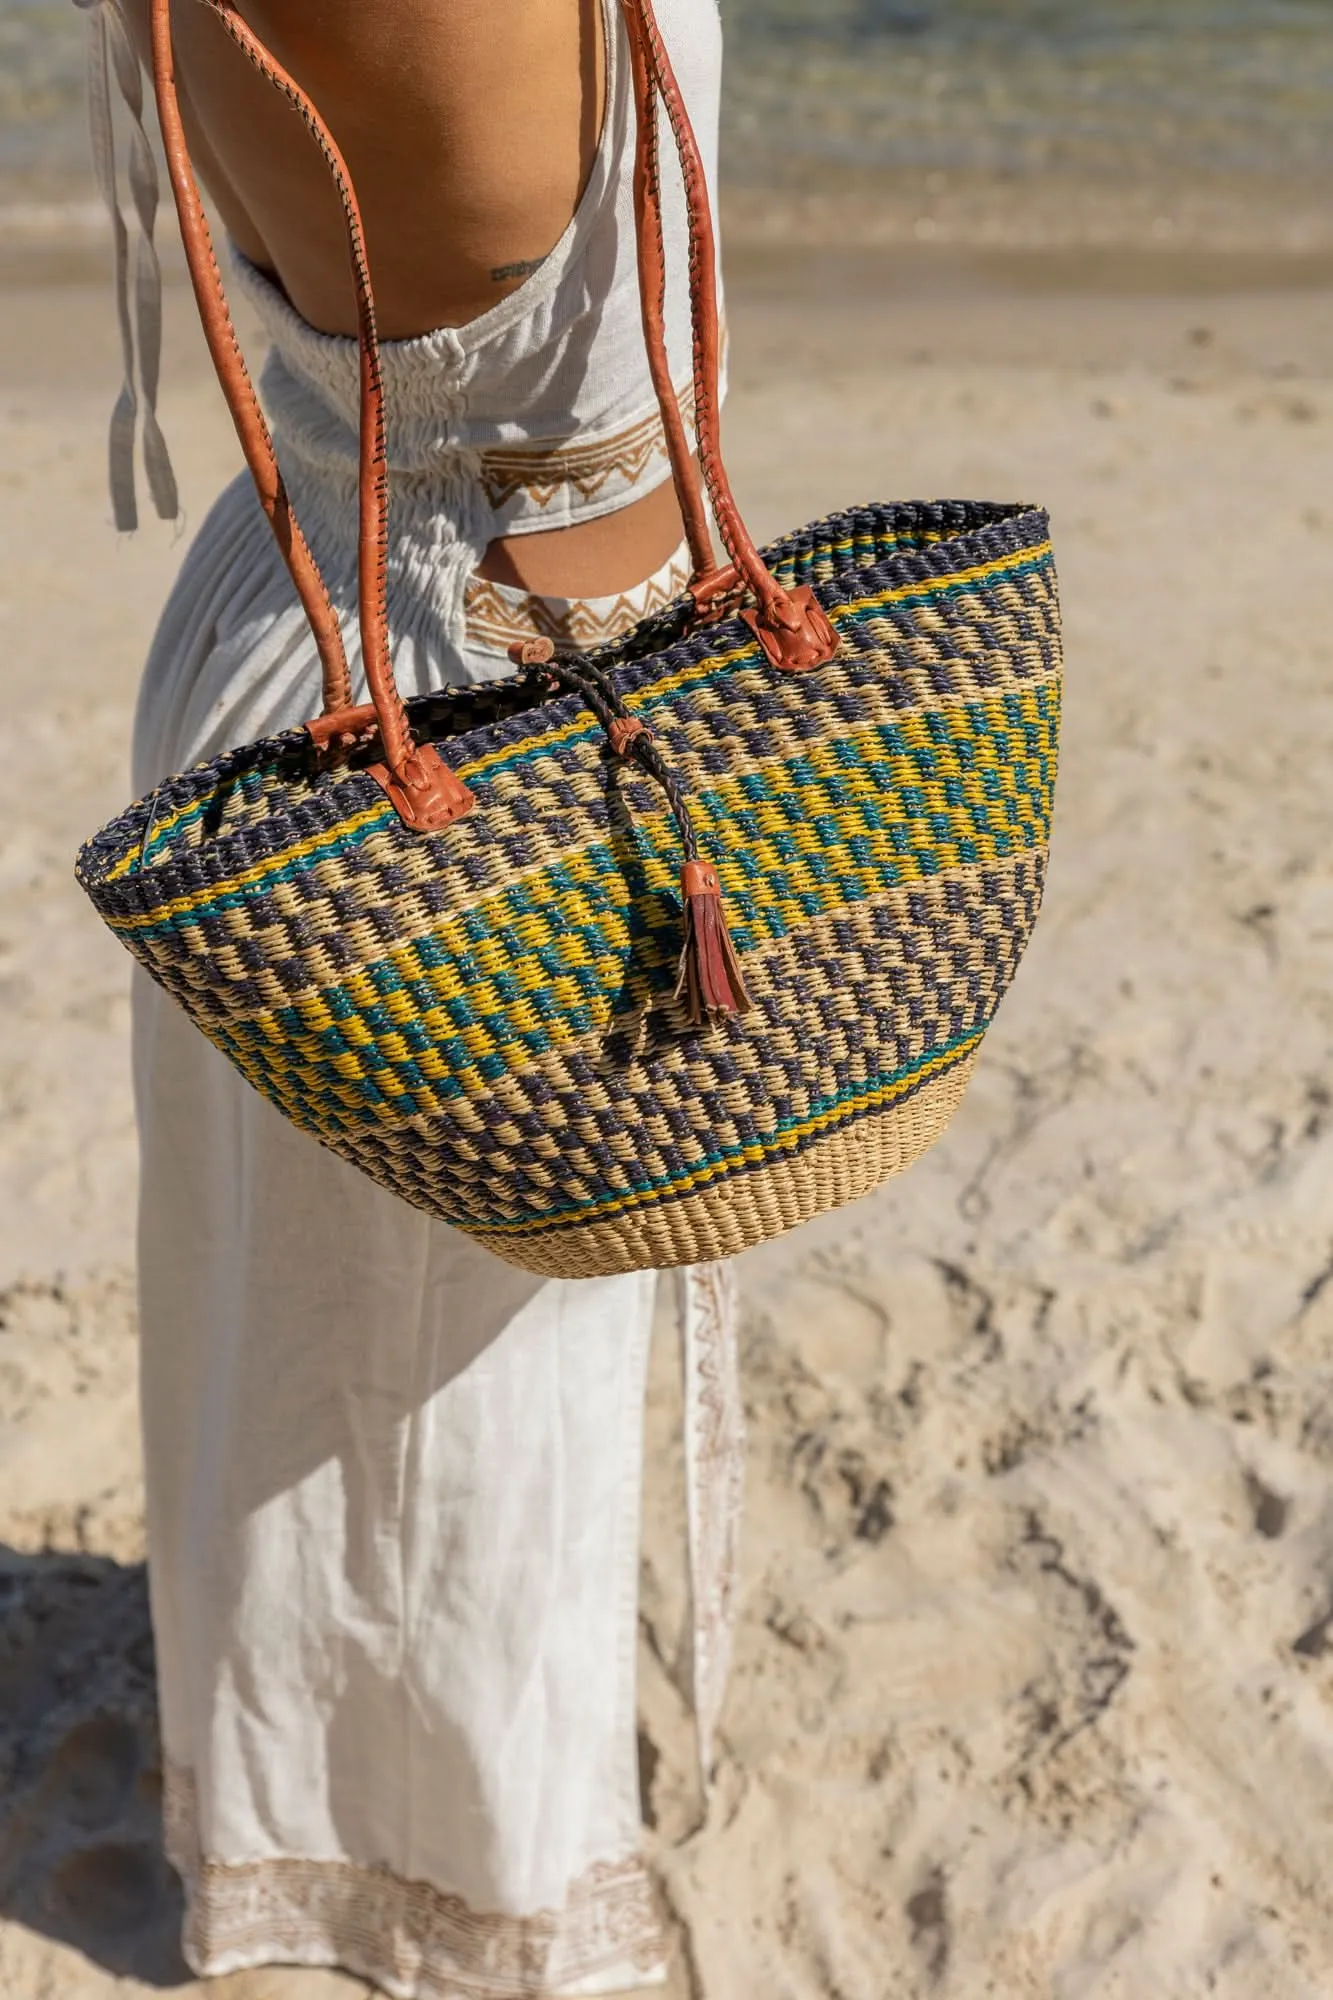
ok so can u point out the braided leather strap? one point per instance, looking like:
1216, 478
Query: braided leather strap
790, 625
234, 376
424, 790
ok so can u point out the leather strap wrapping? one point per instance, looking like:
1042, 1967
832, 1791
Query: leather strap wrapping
652, 298
233, 375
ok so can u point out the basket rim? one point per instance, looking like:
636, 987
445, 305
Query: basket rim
970, 532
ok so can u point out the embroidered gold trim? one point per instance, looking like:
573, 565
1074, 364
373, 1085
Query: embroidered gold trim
497, 615
539, 473
412, 1940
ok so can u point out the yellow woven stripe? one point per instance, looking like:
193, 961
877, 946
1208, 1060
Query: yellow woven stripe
297, 1106
253, 877
497, 947
733, 795
650, 696
132, 857
550, 739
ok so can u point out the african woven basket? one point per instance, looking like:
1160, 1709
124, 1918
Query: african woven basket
646, 955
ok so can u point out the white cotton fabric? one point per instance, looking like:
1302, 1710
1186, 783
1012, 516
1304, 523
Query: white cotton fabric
393, 1483
393, 1495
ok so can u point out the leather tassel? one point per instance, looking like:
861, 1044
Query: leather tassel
710, 979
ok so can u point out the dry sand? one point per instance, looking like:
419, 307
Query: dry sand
1034, 1688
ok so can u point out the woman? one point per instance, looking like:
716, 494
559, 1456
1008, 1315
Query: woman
393, 1483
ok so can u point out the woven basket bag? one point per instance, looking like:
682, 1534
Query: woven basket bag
642, 956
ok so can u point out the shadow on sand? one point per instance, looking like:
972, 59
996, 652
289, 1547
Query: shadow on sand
81, 1856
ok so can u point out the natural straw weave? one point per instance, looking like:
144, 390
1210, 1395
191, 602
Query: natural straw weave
482, 1019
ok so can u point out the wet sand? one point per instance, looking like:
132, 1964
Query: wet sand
1034, 1685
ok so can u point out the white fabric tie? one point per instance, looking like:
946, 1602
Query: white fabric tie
109, 47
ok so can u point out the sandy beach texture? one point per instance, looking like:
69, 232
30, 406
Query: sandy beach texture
1034, 1687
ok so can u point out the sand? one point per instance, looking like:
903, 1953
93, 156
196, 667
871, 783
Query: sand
1034, 1685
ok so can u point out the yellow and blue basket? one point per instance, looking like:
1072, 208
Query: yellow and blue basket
485, 1019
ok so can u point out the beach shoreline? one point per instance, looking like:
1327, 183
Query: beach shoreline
69, 245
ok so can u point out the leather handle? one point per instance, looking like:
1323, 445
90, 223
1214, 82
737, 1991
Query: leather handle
229, 362
791, 626
652, 300
423, 789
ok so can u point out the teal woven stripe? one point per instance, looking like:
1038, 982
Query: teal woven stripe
253, 782
840, 1108
337, 843
387, 1082
962, 748
839, 866
850, 1103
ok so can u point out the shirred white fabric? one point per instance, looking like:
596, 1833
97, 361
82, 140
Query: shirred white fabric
393, 1484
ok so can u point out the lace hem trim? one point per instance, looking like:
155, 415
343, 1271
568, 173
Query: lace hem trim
414, 1941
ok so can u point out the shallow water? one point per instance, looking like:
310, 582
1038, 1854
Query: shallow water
1228, 88
42, 148
926, 117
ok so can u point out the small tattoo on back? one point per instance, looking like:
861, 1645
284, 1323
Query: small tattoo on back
523, 267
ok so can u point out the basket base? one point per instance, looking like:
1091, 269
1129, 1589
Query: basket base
750, 1208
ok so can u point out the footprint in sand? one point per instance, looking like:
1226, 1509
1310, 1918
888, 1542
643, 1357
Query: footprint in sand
92, 1772
87, 1850
111, 1889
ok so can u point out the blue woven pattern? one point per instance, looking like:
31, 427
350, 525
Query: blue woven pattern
483, 1019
